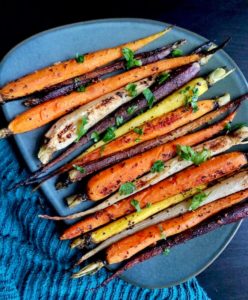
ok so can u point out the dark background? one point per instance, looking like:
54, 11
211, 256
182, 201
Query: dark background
226, 278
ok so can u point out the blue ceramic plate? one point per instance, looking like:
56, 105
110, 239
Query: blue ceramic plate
62, 43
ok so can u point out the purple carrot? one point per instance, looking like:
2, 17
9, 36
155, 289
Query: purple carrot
230, 215
72, 84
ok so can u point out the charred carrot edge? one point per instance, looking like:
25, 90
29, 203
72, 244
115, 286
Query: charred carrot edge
131, 245
212, 169
71, 68
227, 216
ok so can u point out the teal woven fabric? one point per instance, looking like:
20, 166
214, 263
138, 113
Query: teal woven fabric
34, 261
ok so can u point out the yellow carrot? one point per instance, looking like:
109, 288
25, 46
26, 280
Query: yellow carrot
131, 245
119, 225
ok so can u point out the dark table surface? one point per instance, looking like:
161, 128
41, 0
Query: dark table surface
227, 277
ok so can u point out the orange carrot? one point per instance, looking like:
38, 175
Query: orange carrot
111, 179
208, 171
150, 129
53, 109
131, 245
71, 68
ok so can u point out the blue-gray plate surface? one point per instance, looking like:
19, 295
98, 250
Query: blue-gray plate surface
62, 43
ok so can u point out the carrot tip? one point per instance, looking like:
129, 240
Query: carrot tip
5, 132
89, 269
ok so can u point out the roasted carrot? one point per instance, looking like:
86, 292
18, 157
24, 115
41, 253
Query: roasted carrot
208, 171
51, 110
133, 244
227, 216
148, 216
111, 179
71, 68
72, 84
232, 214
156, 127
104, 162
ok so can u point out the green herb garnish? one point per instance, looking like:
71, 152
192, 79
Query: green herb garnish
185, 90
81, 128
166, 251
137, 140
131, 62
229, 127
79, 58
127, 188
81, 88
197, 157
95, 136
149, 97
119, 121
109, 135
148, 205
136, 205
79, 169
131, 109
131, 89
192, 100
177, 52
163, 236
197, 200
163, 77
139, 131
157, 167
76, 80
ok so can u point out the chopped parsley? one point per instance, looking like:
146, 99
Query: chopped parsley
79, 169
177, 52
109, 135
131, 62
166, 251
137, 140
229, 127
127, 188
148, 205
119, 121
131, 89
79, 58
197, 200
163, 236
76, 80
81, 128
139, 131
81, 88
163, 77
158, 166
149, 97
192, 100
131, 109
185, 90
197, 157
95, 136
136, 205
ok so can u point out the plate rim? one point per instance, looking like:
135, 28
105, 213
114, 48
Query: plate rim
237, 225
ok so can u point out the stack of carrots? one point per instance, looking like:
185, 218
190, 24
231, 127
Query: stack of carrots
157, 164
